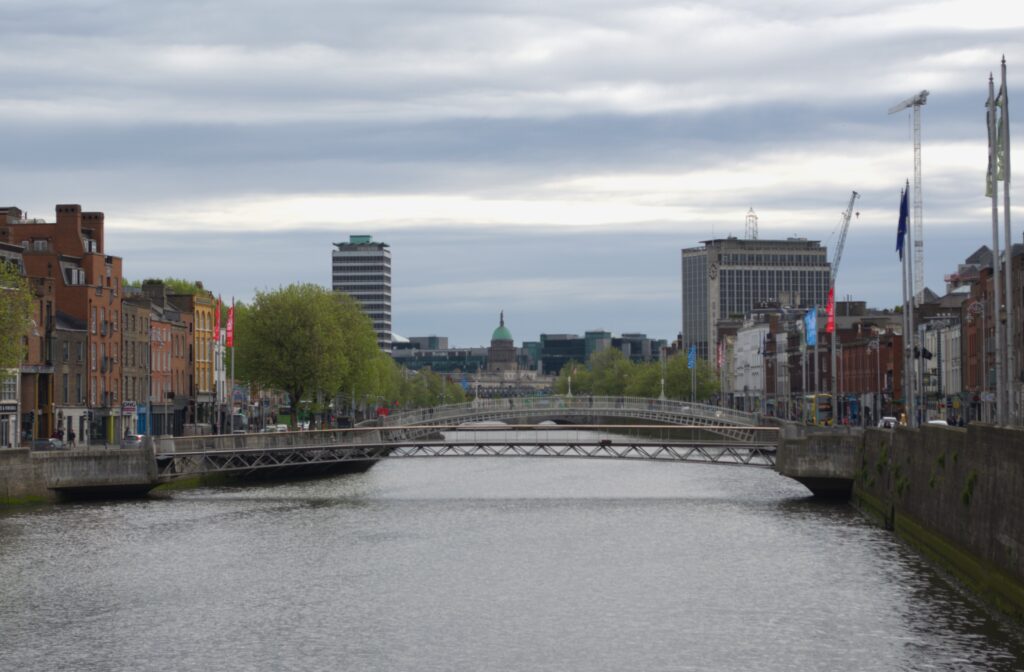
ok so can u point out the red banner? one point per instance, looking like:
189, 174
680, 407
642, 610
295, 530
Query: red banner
830, 309
230, 328
216, 322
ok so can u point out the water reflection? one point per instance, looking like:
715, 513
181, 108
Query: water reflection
478, 564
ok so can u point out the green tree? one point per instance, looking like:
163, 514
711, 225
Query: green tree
582, 380
174, 285
678, 380
303, 339
610, 372
15, 315
645, 380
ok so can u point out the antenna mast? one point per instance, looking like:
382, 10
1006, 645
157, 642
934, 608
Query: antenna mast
751, 225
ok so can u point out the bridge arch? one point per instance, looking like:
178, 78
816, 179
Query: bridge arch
725, 422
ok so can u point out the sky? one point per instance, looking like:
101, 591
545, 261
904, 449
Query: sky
548, 159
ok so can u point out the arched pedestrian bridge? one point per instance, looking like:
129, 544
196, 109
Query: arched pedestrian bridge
568, 427
583, 410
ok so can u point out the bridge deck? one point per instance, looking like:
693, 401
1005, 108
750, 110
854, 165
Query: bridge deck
244, 453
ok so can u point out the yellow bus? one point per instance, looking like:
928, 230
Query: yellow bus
818, 409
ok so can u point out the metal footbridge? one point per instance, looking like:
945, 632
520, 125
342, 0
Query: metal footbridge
724, 422
622, 428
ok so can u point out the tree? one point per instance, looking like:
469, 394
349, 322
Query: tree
610, 371
306, 339
15, 315
174, 285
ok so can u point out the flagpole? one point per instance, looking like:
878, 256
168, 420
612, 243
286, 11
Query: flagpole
996, 255
231, 387
1012, 373
903, 245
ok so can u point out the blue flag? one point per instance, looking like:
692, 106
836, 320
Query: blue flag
901, 232
811, 326
691, 357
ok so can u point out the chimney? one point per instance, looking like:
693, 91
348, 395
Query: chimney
92, 223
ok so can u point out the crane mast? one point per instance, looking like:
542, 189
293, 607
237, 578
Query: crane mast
844, 227
915, 102
840, 244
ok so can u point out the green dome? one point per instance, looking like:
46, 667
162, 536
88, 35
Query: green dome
501, 333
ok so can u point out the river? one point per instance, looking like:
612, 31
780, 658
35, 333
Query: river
482, 564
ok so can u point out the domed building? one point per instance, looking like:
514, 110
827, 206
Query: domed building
501, 355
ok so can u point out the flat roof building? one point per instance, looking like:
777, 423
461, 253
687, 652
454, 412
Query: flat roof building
728, 277
362, 269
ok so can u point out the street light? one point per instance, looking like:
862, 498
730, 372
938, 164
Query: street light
977, 308
875, 344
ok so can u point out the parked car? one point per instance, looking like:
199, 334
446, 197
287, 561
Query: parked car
48, 444
940, 423
131, 441
888, 422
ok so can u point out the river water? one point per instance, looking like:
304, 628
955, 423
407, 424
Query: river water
482, 564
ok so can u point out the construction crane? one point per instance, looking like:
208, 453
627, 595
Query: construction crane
916, 101
844, 226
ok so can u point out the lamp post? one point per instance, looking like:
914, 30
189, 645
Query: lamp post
875, 344
978, 308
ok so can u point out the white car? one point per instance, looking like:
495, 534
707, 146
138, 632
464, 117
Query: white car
940, 423
888, 422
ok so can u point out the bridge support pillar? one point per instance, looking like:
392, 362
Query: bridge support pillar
824, 465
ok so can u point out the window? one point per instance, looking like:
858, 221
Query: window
81, 351
79, 395
66, 350
9, 387
64, 386
92, 356
92, 320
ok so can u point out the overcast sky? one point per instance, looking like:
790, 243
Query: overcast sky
546, 158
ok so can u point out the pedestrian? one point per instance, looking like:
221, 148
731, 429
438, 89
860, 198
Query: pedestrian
71, 438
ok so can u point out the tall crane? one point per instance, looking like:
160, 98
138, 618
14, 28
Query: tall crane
844, 226
916, 101
840, 244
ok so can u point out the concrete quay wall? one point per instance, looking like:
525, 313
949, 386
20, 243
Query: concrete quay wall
955, 495
49, 476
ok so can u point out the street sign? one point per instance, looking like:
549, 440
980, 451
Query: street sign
127, 408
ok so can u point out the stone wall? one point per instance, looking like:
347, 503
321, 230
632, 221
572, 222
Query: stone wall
47, 476
956, 495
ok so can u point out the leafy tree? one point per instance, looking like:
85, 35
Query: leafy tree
610, 371
645, 381
15, 314
175, 285
582, 380
303, 339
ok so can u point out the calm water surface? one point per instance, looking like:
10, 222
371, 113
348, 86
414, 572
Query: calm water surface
482, 564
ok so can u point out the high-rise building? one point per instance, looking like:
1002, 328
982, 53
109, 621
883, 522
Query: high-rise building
362, 269
726, 278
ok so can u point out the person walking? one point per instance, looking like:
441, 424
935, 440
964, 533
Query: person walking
71, 438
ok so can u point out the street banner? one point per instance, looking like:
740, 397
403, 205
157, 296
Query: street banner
231, 325
691, 357
811, 326
216, 322
830, 310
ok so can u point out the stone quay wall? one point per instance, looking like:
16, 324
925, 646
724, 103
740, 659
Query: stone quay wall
957, 495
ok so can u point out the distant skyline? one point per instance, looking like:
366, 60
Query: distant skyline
548, 159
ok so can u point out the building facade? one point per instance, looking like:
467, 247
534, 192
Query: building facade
727, 278
362, 269
86, 285
135, 386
